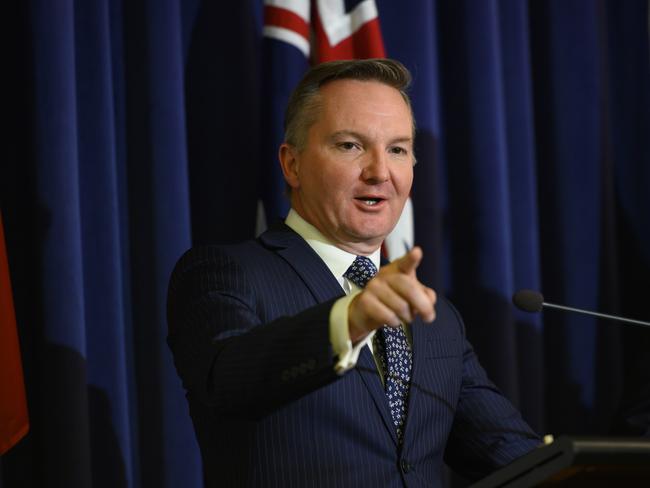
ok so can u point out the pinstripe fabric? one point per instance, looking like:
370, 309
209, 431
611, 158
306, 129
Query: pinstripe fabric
248, 326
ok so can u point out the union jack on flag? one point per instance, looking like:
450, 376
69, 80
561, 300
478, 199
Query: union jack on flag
335, 29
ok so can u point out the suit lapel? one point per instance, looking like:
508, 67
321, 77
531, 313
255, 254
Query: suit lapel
367, 369
414, 393
303, 259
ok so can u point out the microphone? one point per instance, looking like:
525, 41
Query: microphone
533, 301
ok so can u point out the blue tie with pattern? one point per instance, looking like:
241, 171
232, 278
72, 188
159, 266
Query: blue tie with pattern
392, 349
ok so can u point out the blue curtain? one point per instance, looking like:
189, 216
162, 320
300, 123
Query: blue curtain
136, 129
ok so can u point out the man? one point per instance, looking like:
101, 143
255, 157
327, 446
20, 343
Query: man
302, 366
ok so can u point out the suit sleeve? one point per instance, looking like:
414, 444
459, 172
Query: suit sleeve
224, 354
488, 431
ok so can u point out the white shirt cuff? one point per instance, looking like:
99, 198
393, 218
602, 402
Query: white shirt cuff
340, 335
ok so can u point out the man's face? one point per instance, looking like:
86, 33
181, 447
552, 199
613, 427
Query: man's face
354, 174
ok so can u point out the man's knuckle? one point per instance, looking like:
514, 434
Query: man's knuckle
404, 311
373, 285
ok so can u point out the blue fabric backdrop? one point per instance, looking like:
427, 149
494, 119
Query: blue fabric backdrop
135, 129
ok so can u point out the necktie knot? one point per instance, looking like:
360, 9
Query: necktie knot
361, 271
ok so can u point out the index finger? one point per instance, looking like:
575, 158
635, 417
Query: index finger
410, 261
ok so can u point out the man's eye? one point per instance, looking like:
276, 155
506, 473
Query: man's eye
398, 150
347, 146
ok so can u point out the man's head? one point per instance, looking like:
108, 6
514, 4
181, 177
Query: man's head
348, 156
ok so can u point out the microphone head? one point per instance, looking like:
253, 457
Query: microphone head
528, 300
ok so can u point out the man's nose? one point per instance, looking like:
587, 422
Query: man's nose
375, 169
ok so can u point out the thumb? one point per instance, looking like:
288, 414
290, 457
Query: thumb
410, 261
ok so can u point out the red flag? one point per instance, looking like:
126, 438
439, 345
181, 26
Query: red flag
14, 422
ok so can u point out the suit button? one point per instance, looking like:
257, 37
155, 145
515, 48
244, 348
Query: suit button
406, 467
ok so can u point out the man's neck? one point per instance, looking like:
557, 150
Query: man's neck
336, 258
305, 226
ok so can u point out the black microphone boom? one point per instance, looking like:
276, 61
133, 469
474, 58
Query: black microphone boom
533, 301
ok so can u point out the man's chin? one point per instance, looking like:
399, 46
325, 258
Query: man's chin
372, 237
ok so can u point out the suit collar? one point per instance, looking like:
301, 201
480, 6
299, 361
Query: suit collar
337, 259
304, 260
279, 236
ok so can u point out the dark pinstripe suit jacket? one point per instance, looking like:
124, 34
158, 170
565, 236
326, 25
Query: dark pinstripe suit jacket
248, 327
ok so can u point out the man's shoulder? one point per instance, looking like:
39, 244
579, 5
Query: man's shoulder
242, 254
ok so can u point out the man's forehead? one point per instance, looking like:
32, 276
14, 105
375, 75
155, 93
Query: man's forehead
349, 98
358, 92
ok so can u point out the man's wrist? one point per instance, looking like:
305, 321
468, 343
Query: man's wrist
356, 330
342, 344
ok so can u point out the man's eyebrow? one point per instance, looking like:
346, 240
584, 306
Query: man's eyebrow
358, 135
407, 139
340, 133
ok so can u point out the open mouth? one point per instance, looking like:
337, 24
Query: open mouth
370, 201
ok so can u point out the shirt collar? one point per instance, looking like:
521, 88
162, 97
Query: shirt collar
337, 260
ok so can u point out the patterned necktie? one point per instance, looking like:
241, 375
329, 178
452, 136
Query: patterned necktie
392, 349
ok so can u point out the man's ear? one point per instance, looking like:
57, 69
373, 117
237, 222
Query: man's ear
289, 162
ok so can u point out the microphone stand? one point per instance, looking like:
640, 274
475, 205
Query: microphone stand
596, 314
